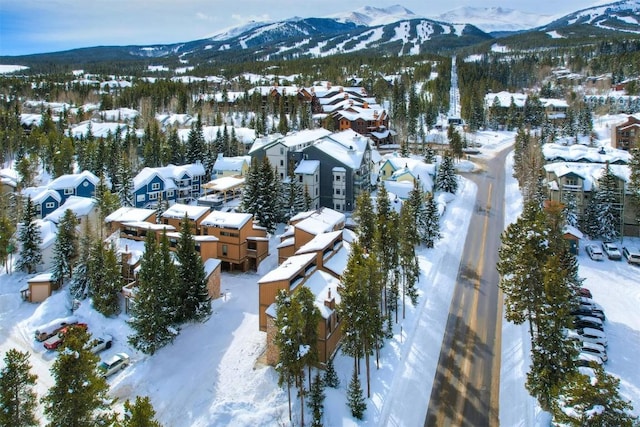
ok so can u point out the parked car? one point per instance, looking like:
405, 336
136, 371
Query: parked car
588, 322
595, 349
611, 250
587, 359
584, 310
632, 256
593, 335
584, 292
101, 343
54, 342
594, 252
113, 364
48, 330
595, 308
587, 371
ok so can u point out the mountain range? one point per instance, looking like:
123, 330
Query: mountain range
393, 30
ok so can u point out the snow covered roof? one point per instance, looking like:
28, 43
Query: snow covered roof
220, 219
572, 230
42, 277
80, 206
580, 152
307, 167
120, 114
73, 180
590, 172
129, 214
234, 164
134, 248
288, 269
338, 262
286, 243
321, 221
224, 183
39, 194
178, 210
48, 232
323, 285
147, 174
98, 130
347, 146
319, 242
211, 265
144, 225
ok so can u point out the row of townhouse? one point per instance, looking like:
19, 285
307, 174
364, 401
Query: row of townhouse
335, 167
312, 253
555, 109
226, 241
50, 197
569, 175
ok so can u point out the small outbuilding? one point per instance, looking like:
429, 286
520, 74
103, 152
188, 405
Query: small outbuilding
40, 288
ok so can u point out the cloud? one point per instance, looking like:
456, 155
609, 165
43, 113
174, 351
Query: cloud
243, 19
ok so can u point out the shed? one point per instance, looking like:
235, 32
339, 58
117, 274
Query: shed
40, 288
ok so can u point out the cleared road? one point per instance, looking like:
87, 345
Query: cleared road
466, 386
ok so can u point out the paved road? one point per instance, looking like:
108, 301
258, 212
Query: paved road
467, 382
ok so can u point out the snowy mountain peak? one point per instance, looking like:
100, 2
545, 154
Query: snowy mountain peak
490, 19
371, 16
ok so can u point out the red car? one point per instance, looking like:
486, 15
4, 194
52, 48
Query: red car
55, 341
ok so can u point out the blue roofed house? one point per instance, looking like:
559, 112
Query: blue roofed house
44, 200
149, 186
81, 184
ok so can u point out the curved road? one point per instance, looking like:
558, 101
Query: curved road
466, 386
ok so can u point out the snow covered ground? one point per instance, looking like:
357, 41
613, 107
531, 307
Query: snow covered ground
212, 374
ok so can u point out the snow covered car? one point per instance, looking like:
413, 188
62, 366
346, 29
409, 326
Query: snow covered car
54, 342
100, 343
48, 330
594, 252
632, 256
595, 349
113, 364
611, 250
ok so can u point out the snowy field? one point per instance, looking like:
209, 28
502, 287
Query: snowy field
212, 374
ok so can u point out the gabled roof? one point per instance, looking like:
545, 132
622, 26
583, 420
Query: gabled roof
321, 221
347, 147
307, 167
80, 206
220, 219
580, 152
288, 269
129, 214
319, 242
40, 194
179, 210
234, 164
73, 180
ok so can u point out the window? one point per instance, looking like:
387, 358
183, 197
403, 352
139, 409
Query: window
155, 186
195, 187
281, 162
337, 191
169, 193
225, 250
153, 196
50, 205
68, 191
300, 178
337, 177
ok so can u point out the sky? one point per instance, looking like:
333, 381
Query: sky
36, 26
210, 375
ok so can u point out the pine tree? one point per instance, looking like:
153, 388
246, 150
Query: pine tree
604, 211
294, 202
30, 240
124, 189
286, 325
407, 255
65, 250
447, 180
355, 398
586, 402
139, 414
429, 155
432, 226
418, 207
79, 285
251, 188
17, 398
192, 293
79, 396
316, 400
195, 142
570, 208
330, 378
153, 313
104, 273
365, 219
